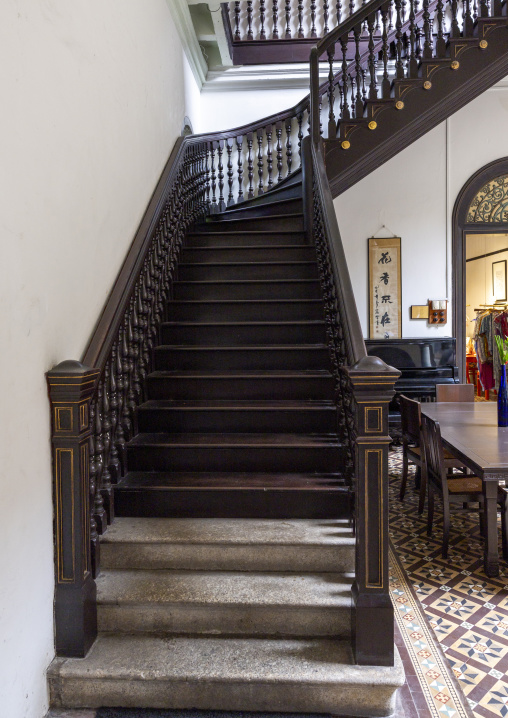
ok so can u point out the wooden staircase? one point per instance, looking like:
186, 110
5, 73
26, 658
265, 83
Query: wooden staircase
240, 418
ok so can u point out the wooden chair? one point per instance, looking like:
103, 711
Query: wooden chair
412, 448
454, 488
454, 392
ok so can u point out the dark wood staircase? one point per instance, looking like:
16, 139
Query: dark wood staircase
240, 418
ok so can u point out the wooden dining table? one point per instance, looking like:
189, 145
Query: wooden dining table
469, 430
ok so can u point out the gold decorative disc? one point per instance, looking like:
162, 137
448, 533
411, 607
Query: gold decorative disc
427, 85
483, 44
345, 145
372, 125
455, 65
399, 105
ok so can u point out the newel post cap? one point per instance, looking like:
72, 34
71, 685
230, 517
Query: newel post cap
372, 365
71, 378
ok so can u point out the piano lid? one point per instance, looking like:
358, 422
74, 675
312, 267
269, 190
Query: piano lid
425, 353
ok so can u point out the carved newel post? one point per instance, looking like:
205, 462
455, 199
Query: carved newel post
372, 383
71, 386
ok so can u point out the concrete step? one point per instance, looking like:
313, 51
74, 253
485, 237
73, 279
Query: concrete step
224, 602
322, 545
287, 675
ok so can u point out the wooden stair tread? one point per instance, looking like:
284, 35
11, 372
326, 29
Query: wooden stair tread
235, 440
239, 323
233, 480
235, 404
243, 373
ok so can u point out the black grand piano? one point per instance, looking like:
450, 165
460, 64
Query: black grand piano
423, 364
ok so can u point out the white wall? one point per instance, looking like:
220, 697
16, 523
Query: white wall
227, 110
92, 102
413, 196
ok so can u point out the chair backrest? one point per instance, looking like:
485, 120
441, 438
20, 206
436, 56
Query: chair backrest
434, 454
454, 392
410, 419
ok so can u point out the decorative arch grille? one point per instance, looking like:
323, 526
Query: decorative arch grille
491, 202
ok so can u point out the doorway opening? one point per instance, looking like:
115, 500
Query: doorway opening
480, 250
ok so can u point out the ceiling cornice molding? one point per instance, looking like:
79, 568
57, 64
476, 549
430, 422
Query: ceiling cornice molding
182, 19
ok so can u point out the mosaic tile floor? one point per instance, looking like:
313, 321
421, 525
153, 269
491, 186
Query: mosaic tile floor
467, 611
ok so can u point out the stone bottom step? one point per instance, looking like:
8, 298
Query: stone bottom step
305, 675
224, 602
323, 545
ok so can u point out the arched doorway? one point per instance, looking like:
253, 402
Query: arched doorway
481, 209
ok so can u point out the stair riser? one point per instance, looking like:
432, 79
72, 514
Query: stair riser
320, 421
249, 254
243, 239
239, 388
248, 290
233, 695
252, 311
268, 223
288, 206
225, 620
238, 504
242, 358
238, 272
235, 458
209, 557
241, 335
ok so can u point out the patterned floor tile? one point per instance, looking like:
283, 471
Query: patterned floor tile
495, 622
496, 700
480, 648
467, 611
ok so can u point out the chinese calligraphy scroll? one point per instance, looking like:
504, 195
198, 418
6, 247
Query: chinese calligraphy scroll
385, 288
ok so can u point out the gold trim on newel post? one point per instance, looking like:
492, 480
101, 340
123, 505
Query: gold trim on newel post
372, 383
71, 386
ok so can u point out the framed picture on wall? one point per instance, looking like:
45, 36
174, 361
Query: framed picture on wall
385, 296
499, 280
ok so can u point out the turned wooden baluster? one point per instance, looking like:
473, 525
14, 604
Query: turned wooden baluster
213, 178
455, 29
106, 487
250, 36
287, 34
250, 165
259, 136
497, 9
278, 134
289, 148
412, 62
325, 17
300, 20
313, 18
262, 11
237, 37
357, 31
299, 119
440, 39
345, 79
126, 372
338, 11
269, 159
332, 125
275, 15
99, 511
399, 66
220, 149
427, 32
229, 149
239, 148
467, 21
475, 10
119, 434
385, 83
371, 24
